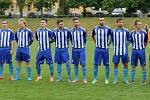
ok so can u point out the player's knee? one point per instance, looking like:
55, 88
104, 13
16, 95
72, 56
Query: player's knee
125, 65
143, 67
116, 65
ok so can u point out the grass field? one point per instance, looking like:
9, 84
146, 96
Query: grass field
44, 90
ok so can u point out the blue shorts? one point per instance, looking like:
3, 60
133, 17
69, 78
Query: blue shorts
138, 54
45, 54
124, 59
61, 55
78, 54
101, 54
23, 54
5, 55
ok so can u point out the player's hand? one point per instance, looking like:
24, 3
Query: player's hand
11, 52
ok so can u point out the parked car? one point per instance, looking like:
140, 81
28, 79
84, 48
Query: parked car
118, 12
138, 13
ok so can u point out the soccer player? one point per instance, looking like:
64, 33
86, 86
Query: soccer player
24, 38
7, 37
44, 36
78, 38
139, 40
62, 36
120, 38
100, 35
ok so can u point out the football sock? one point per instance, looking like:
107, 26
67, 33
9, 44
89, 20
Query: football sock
144, 74
95, 71
51, 68
68, 70
107, 71
133, 72
38, 69
11, 69
59, 69
76, 71
84, 71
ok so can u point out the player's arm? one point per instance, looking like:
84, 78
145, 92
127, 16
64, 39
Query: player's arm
128, 38
93, 35
149, 35
16, 38
85, 36
51, 37
109, 36
145, 40
31, 37
12, 42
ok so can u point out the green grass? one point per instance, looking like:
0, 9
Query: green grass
44, 90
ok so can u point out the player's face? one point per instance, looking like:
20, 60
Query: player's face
22, 24
61, 25
101, 21
120, 23
43, 23
76, 23
5, 24
139, 25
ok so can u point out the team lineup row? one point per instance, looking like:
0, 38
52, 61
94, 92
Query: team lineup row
120, 39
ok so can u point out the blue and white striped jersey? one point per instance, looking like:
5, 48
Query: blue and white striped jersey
102, 35
138, 39
61, 37
78, 37
6, 37
120, 39
24, 37
44, 36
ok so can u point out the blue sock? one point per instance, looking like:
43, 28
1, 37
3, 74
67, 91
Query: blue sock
59, 69
68, 70
38, 69
29, 71
18, 70
51, 68
76, 71
133, 72
95, 71
125, 74
107, 71
144, 74
116, 74
1, 70
11, 69
84, 71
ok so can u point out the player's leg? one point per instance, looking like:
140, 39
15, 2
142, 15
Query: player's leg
134, 62
1, 71
28, 66
97, 58
49, 61
39, 61
65, 59
116, 59
11, 71
125, 60
18, 70
106, 63
75, 61
82, 58
142, 58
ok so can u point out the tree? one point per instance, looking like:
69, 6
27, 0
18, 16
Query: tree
40, 4
4, 4
21, 4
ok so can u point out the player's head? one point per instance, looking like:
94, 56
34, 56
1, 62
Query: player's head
60, 23
43, 22
101, 20
76, 22
22, 23
4, 23
138, 24
120, 22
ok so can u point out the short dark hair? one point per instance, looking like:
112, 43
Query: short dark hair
44, 19
136, 21
119, 19
101, 16
59, 21
75, 18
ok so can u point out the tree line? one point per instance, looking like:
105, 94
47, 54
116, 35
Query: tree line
64, 5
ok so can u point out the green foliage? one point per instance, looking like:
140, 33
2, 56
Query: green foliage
40, 4
21, 4
4, 5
